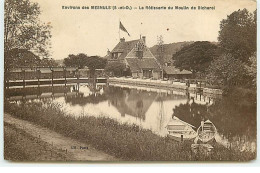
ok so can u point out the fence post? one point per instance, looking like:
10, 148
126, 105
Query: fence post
38, 76
52, 89
65, 75
23, 78
7, 78
51, 77
78, 79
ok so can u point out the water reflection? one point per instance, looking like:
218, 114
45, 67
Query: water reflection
153, 108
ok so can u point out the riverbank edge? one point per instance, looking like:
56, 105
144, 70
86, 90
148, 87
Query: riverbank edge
71, 148
162, 85
20, 146
130, 143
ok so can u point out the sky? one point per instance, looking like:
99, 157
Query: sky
93, 32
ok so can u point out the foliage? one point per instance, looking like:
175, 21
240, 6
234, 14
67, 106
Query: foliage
124, 141
237, 35
228, 71
116, 68
96, 62
23, 57
48, 62
196, 57
75, 60
23, 29
252, 69
168, 51
81, 60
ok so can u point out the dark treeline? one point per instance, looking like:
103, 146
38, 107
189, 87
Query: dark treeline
15, 58
230, 62
82, 60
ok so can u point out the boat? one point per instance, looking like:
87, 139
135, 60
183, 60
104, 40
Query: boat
179, 130
207, 131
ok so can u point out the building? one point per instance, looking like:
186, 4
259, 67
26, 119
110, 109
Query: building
137, 57
28, 73
171, 72
164, 54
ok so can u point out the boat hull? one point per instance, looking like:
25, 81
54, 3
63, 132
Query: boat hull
179, 138
207, 140
207, 132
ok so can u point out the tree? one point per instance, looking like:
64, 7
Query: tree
196, 57
81, 60
95, 62
252, 69
23, 57
228, 71
237, 35
48, 62
75, 60
116, 68
23, 29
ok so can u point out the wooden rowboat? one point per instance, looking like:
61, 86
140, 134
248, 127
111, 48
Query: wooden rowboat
207, 131
180, 130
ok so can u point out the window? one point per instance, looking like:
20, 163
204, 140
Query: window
114, 55
139, 54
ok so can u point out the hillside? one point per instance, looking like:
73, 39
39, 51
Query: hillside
169, 50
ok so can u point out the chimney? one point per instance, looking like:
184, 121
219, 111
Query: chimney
143, 39
122, 39
108, 52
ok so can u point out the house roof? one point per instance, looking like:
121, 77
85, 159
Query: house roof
137, 64
174, 70
128, 54
124, 48
146, 53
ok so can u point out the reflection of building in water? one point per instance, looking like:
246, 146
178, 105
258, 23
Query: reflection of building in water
131, 102
87, 94
165, 96
37, 92
82, 100
200, 98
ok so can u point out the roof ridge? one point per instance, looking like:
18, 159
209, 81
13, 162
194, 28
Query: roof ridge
130, 41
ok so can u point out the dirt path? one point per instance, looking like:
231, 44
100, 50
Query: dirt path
82, 152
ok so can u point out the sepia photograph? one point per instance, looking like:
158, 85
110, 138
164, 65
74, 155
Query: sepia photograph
141, 81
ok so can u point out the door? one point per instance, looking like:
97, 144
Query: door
147, 73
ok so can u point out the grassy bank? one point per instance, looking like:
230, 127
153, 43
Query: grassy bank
20, 146
124, 141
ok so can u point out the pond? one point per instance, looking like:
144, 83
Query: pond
153, 108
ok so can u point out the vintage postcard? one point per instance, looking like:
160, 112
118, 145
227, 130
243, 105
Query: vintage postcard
130, 81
